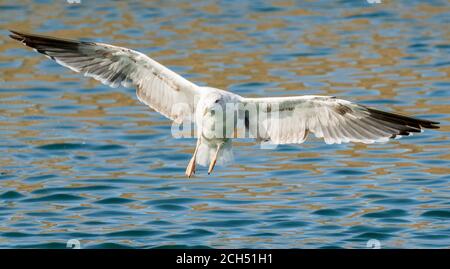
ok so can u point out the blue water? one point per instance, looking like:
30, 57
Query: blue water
79, 160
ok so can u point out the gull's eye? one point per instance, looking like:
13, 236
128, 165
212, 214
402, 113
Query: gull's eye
217, 101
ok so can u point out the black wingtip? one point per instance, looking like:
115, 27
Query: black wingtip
16, 35
42, 43
403, 120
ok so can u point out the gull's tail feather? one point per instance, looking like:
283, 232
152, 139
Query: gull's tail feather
206, 151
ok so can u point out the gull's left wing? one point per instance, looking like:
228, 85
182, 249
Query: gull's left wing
285, 120
157, 86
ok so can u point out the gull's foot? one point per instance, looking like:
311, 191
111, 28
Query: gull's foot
190, 169
211, 166
213, 162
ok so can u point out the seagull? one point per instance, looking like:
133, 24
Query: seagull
271, 120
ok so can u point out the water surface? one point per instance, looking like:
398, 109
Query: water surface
79, 160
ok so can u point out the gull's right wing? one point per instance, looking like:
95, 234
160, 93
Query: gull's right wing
157, 86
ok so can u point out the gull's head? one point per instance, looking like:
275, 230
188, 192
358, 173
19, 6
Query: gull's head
209, 112
211, 102
213, 115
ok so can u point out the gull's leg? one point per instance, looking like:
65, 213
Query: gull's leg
213, 162
190, 169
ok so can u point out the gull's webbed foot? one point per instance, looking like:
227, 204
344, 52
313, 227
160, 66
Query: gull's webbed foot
190, 169
214, 160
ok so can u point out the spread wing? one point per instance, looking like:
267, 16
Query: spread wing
287, 120
157, 86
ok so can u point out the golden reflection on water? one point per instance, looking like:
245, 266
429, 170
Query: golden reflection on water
206, 56
256, 68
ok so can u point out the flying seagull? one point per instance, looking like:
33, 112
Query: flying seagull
335, 120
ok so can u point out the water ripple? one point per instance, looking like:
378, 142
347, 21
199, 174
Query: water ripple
80, 160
